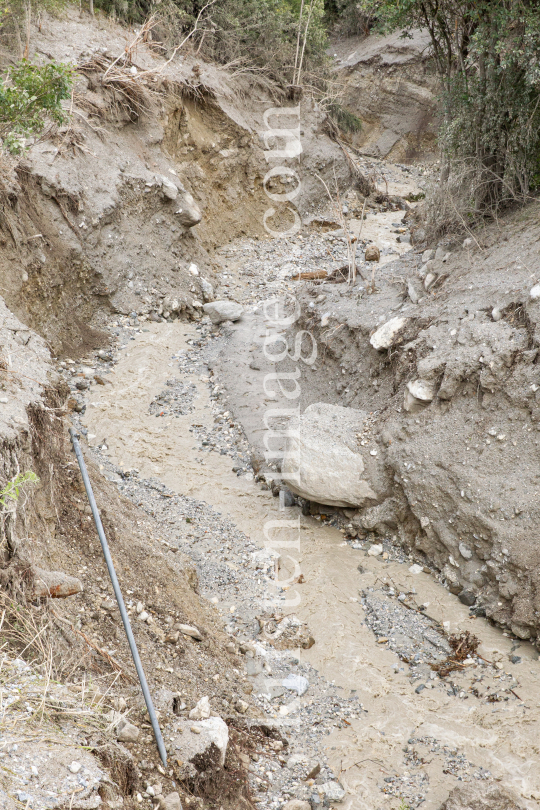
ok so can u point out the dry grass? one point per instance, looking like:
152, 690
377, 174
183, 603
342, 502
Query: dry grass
470, 195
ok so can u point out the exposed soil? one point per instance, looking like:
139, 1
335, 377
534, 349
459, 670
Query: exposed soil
394, 655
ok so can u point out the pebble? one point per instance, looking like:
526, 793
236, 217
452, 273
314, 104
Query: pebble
375, 550
75, 767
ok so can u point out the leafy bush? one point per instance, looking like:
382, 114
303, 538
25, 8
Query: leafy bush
29, 96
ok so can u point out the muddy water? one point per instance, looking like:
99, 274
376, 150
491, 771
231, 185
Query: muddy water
502, 737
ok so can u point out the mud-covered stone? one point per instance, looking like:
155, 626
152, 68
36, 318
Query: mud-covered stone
482, 797
322, 462
54, 585
220, 311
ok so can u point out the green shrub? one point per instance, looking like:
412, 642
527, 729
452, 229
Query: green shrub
487, 53
29, 97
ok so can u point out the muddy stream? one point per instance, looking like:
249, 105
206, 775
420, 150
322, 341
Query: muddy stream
502, 737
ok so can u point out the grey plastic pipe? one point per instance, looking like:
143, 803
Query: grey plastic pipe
118, 593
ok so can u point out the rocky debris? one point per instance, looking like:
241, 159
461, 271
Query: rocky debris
388, 334
482, 797
126, 731
39, 772
220, 311
373, 254
322, 462
194, 745
54, 584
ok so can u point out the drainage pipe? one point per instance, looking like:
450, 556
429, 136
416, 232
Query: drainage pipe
117, 592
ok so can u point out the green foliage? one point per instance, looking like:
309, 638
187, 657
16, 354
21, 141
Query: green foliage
346, 120
488, 57
12, 489
29, 96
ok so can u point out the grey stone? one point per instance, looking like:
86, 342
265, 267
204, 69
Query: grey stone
127, 732
286, 498
188, 212
333, 792
241, 706
220, 311
207, 290
170, 190
483, 796
465, 551
467, 597
170, 802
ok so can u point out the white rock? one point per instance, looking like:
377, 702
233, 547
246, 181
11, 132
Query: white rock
496, 314
296, 683
467, 242
388, 334
375, 550
193, 269
535, 292
416, 569
143, 616
218, 732
195, 744
75, 767
422, 389
418, 394
189, 630
465, 551
220, 311
202, 710
427, 255
429, 280
170, 190
322, 462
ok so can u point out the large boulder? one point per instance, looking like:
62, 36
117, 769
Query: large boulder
220, 311
482, 796
199, 746
322, 460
